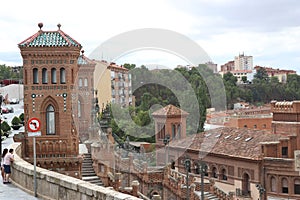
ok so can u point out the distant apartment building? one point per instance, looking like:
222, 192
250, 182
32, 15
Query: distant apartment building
279, 73
121, 88
113, 83
227, 67
242, 62
242, 66
211, 65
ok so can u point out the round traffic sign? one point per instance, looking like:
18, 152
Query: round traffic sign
34, 124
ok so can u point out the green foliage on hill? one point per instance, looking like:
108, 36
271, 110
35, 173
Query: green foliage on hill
263, 89
7, 72
193, 90
154, 89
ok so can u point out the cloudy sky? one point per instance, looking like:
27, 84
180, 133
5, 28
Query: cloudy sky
269, 30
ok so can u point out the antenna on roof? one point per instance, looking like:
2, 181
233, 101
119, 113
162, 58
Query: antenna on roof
40, 25
58, 25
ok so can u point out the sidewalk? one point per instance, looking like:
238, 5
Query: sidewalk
10, 191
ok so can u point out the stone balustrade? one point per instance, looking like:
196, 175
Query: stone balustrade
53, 185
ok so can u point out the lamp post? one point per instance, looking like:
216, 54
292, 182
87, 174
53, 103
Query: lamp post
261, 190
187, 165
166, 142
127, 147
203, 169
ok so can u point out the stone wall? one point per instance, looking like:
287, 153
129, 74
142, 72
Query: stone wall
52, 185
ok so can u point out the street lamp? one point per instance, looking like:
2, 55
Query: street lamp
261, 190
203, 169
166, 142
187, 165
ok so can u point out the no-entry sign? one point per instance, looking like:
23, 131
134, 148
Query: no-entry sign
34, 124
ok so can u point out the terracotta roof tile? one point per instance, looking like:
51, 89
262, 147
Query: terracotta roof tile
170, 110
234, 142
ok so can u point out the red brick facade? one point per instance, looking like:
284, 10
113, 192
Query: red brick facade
50, 71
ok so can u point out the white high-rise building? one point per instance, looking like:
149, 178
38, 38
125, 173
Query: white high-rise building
243, 62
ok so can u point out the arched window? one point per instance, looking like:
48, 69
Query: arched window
297, 186
285, 185
50, 120
173, 131
214, 172
85, 82
79, 108
80, 82
223, 175
62, 75
35, 76
273, 184
44, 76
246, 184
178, 131
53, 75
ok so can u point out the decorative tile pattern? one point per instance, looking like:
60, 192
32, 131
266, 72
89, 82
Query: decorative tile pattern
49, 39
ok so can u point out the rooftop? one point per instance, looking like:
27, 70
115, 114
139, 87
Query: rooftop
170, 110
234, 142
49, 39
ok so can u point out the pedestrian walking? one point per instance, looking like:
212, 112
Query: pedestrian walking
8, 159
2, 164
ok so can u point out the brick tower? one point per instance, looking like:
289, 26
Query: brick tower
50, 70
86, 108
171, 121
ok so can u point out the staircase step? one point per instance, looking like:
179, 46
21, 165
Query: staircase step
86, 174
87, 171
88, 178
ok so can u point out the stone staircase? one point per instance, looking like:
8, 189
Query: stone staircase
87, 171
209, 196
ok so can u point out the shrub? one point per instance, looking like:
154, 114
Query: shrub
15, 121
21, 117
5, 127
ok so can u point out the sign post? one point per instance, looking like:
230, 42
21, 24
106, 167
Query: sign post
34, 126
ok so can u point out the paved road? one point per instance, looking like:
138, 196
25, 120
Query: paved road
10, 191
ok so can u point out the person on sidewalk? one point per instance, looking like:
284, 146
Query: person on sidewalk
8, 159
2, 164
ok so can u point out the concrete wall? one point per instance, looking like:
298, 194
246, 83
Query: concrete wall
52, 185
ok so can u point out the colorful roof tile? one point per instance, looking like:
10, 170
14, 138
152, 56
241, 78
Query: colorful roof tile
49, 39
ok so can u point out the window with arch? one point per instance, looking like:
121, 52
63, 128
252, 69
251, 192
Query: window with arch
285, 185
44, 76
79, 108
50, 120
297, 186
178, 131
85, 82
173, 131
223, 174
53, 76
214, 172
35, 75
273, 184
80, 82
62, 75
